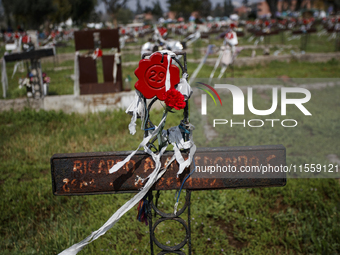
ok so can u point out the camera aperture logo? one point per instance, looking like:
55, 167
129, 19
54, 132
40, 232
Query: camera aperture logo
239, 105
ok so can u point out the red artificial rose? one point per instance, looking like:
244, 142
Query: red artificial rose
174, 99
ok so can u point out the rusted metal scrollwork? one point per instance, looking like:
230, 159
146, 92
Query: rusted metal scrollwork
165, 217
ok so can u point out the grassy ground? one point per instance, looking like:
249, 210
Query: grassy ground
300, 218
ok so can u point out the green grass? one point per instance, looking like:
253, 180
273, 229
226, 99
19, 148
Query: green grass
300, 218
315, 43
295, 69
68, 47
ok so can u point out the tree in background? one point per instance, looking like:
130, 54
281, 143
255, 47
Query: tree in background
33, 14
218, 11
157, 10
6, 6
273, 7
113, 6
139, 9
82, 10
336, 5
124, 16
184, 8
205, 9
63, 10
228, 8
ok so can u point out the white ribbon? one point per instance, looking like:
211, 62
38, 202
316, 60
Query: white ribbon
226, 57
76, 89
115, 66
152, 178
216, 64
117, 166
136, 108
176, 139
204, 59
4, 79
184, 87
167, 77
15, 68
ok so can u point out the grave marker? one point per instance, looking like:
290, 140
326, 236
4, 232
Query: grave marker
119, 172
87, 65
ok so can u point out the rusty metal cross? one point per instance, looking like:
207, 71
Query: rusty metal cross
89, 173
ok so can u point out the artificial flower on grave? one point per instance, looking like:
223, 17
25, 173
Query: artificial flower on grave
46, 79
97, 53
229, 35
163, 31
158, 79
26, 39
173, 99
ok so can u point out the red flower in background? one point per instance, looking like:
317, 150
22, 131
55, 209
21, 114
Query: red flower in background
26, 39
151, 74
174, 99
229, 35
162, 30
98, 53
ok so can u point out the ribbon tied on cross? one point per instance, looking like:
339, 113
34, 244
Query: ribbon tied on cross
158, 79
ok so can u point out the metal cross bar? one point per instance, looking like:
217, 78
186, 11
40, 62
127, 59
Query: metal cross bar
34, 54
88, 173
